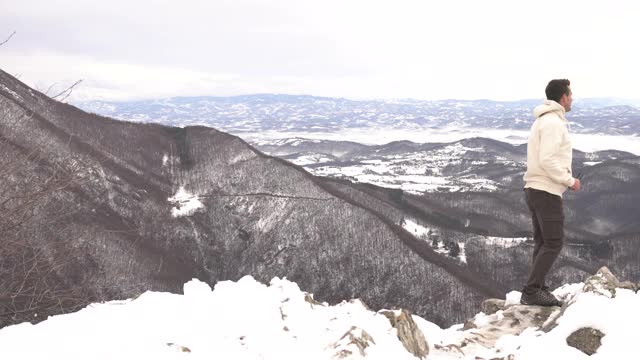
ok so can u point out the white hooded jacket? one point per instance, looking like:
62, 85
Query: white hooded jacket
549, 151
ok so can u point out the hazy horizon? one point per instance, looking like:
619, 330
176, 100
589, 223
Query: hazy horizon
621, 100
361, 49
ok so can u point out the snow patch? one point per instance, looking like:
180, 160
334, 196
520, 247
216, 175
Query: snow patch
591, 163
185, 203
503, 242
13, 93
309, 159
463, 255
416, 229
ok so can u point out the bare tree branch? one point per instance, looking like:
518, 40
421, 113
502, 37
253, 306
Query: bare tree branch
9, 38
67, 91
50, 87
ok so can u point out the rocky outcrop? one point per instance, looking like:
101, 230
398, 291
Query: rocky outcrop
409, 334
587, 340
485, 331
356, 339
491, 306
605, 283
507, 317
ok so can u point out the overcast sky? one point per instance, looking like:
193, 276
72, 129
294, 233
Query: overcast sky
502, 50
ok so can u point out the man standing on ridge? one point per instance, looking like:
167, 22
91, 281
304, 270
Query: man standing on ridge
548, 175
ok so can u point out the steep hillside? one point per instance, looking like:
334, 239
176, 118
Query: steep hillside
147, 207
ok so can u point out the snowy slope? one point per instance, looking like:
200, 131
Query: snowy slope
249, 320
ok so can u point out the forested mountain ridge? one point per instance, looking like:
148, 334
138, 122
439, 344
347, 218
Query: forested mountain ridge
145, 206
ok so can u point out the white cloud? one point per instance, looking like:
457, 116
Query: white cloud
408, 48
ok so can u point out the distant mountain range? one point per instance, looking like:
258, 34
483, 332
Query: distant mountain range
254, 113
475, 164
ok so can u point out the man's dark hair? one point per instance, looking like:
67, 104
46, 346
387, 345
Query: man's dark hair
556, 88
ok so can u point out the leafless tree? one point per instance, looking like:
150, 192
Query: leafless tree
28, 269
31, 268
60, 96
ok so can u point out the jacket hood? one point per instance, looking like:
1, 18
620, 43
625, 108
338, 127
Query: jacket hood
549, 106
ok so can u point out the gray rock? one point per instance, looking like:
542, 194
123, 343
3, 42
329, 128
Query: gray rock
605, 283
587, 340
480, 335
355, 336
409, 334
510, 321
629, 285
309, 298
491, 306
469, 324
179, 348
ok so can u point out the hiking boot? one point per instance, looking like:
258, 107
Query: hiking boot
540, 298
546, 289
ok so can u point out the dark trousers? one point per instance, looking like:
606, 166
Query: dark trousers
547, 218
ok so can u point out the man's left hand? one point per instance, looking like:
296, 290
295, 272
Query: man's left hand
576, 185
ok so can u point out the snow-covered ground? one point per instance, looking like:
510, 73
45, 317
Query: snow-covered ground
416, 173
250, 320
311, 159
